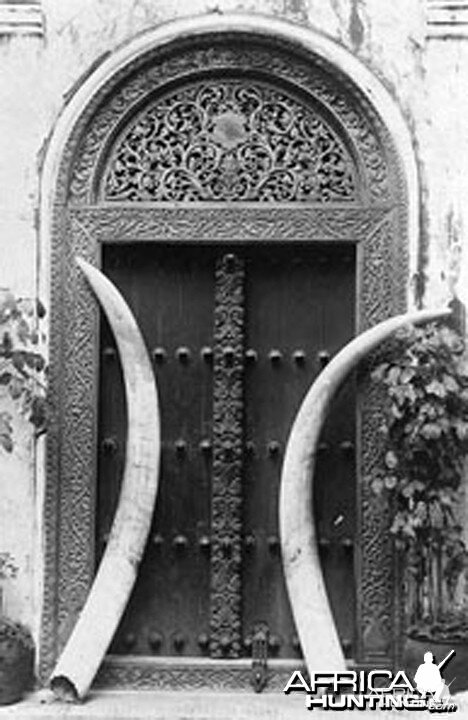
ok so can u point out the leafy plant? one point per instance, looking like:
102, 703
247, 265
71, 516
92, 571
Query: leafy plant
425, 378
23, 371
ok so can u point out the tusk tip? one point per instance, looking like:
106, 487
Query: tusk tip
85, 266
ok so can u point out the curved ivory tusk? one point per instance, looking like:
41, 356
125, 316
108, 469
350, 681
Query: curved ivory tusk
117, 572
309, 602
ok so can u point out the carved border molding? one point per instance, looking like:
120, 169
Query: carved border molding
72, 432
156, 674
378, 229
216, 223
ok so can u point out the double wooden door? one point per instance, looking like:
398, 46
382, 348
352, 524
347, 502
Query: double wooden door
236, 333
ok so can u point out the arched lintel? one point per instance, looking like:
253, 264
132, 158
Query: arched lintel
304, 38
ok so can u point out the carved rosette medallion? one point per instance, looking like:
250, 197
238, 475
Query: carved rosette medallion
225, 599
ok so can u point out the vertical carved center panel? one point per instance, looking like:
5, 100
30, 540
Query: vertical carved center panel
227, 457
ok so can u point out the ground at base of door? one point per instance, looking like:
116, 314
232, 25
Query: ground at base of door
202, 705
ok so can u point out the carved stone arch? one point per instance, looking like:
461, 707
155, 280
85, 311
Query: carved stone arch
79, 215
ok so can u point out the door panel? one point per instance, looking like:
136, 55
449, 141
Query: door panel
171, 295
298, 306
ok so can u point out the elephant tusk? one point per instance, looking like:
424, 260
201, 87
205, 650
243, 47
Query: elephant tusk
109, 594
304, 580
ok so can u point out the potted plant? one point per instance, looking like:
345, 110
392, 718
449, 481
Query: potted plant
22, 392
16, 648
425, 378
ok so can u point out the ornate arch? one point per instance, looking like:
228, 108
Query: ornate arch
232, 140
344, 178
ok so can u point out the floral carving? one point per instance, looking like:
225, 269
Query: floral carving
230, 140
227, 458
132, 674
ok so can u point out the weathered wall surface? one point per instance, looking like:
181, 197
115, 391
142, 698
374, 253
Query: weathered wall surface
427, 77
443, 141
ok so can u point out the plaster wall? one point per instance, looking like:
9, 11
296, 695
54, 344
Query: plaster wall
427, 78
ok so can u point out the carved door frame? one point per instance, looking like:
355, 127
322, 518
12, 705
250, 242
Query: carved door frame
80, 221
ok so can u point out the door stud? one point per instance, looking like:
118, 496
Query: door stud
155, 640
159, 354
273, 447
181, 447
179, 642
129, 640
347, 446
249, 541
274, 643
228, 354
180, 542
295, 642
203, 641
110, 445
251, 355
323, 358
158, 540
273, 543
183, 354
204, 542
250, 447
225, 642
299, 357
205, 447
207, 354
275, 356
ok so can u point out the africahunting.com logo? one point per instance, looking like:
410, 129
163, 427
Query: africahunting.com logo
377, 689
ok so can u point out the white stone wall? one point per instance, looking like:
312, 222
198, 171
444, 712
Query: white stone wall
428, 78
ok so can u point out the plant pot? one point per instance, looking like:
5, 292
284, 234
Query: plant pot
16, 661
456, 669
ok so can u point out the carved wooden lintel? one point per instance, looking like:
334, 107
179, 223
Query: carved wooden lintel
246, 222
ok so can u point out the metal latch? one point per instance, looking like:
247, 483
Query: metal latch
259, 674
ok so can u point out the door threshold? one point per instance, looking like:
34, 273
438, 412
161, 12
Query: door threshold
140, 672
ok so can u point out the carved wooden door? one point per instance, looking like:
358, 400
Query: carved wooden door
247, 199
237, 335
237, 331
